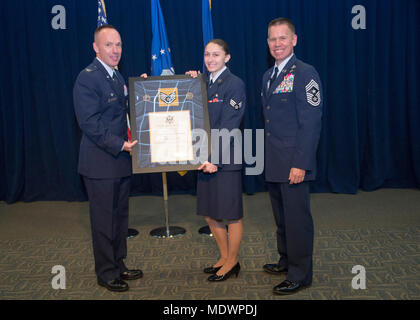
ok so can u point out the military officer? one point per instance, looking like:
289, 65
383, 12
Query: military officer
104, 161
292, 107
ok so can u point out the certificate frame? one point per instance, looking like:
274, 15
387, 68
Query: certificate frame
157, 96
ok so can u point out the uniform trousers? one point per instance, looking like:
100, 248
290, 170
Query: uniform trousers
295, 229
108, 204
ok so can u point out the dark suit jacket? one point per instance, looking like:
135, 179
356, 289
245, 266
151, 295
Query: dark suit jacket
292, 112
227, 102
101, 110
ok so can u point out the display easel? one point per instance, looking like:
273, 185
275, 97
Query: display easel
166, 231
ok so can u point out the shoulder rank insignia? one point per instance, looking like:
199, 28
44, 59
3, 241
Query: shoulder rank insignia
90, 69
313, 95
235, 105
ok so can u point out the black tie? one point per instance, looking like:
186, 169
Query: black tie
273, 78
211, 82
117, 84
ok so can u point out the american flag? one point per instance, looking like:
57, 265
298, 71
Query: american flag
101, 13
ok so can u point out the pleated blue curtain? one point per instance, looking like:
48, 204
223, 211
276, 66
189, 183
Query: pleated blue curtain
370, 137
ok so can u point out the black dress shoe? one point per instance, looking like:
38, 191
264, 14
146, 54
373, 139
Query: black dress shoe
114, 285
131, 274
235, 270
211, 270
288, 287
274, 268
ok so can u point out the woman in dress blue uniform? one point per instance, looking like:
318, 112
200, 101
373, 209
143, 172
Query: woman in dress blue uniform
219, 185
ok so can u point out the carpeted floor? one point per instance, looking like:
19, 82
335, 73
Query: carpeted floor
378, 230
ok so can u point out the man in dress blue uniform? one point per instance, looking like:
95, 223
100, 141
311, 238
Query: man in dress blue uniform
292, 104
104, 161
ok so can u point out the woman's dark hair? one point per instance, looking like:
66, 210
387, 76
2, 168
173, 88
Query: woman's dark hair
221, 43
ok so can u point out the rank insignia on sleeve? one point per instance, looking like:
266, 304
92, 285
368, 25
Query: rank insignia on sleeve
313, 95
235, 105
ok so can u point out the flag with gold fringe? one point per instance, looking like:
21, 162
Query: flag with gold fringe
101, 13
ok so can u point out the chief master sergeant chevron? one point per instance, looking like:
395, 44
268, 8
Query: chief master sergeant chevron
292, 107
99, 96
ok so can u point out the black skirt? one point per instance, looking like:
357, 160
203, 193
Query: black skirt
219, 195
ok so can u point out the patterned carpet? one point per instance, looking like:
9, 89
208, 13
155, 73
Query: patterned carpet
389, 252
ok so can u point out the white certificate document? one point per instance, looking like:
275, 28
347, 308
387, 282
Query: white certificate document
170, 136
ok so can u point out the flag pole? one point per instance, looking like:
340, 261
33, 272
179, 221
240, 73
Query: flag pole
162, 65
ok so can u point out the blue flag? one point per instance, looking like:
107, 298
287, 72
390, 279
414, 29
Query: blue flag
161, 53
207, 25
101, 13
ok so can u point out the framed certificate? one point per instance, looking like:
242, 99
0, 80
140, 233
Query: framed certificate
169, 118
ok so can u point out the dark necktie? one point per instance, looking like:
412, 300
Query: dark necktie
273, 78
117, 84
114, 76
211, 83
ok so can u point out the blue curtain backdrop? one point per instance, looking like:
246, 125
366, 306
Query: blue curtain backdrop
370, 136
